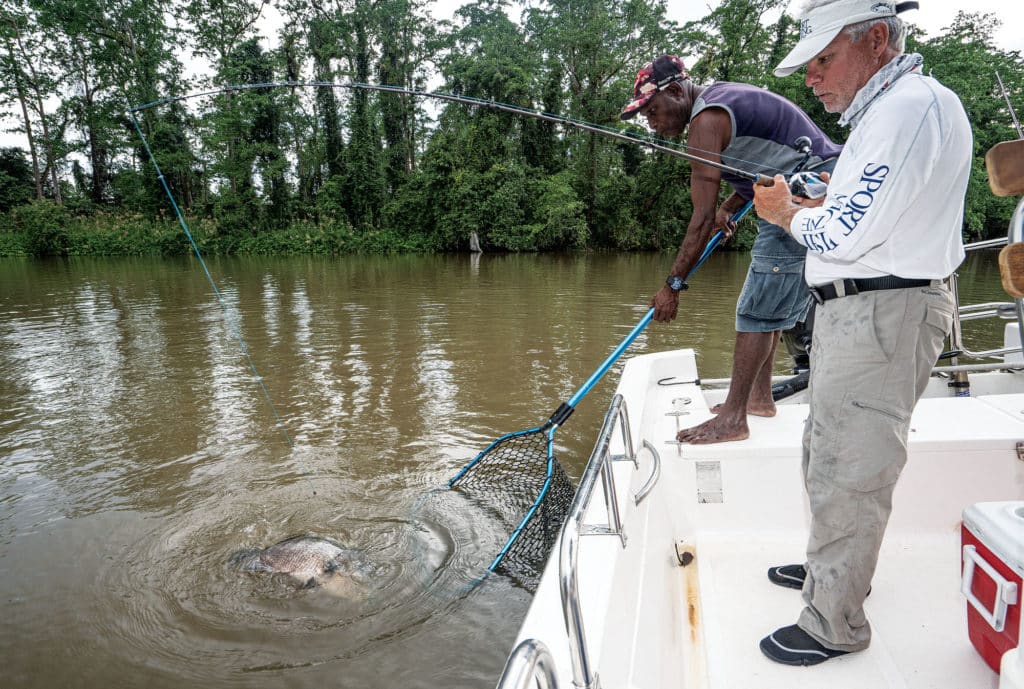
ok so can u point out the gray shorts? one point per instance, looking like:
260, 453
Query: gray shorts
774, 295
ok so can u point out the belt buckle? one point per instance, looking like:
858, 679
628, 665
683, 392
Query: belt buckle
816, 293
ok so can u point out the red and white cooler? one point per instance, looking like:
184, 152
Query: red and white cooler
992, 551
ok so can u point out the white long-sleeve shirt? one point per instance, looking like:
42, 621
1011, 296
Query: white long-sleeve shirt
895, 202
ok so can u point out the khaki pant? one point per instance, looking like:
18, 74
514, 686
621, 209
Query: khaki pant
871, 357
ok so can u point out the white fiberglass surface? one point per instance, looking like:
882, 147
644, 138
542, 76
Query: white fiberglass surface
740, 508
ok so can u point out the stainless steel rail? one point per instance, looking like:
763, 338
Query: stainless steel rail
986, 244
599, 466
527, 663
1000, 309
529, 667
655, 475
977, 368
1010, 311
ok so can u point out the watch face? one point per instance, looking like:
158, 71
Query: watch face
675, 282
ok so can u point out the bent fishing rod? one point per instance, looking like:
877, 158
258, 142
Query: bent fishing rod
803, 186
1013, 113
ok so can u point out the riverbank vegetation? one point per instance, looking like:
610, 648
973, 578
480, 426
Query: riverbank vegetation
303, 169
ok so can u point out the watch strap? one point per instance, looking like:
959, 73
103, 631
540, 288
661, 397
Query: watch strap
676, 283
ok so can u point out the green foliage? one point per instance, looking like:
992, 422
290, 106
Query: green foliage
12, 244
136, 191
553, 221
325, 238
45, 229
44, 226
559, 215
746, 232
15, 179
962, 58
330, 170
598, 45
650, 208
733, 42
414, 208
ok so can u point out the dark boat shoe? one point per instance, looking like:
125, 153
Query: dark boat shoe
791, 576
793, 646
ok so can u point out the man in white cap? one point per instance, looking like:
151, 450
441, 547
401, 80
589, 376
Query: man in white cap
879, 248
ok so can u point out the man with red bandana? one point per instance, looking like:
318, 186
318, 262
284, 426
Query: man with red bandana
754, 130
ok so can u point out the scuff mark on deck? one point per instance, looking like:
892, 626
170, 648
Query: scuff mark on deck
694, 656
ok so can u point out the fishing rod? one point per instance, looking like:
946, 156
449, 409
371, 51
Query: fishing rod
1013, 114
808, 185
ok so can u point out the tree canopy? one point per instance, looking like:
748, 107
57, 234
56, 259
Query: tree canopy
292, 168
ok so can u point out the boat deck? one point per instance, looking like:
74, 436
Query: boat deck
917, 615
740, 508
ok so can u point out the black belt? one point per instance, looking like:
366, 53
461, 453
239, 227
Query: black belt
848, 287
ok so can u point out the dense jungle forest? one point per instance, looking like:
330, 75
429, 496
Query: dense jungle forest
322, 170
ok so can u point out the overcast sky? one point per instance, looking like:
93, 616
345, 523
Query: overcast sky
933, 16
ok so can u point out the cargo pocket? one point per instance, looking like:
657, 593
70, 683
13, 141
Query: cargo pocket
773, 290
852, 322
941, 319
870, 448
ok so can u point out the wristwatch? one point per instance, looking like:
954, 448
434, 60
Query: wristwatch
676, 283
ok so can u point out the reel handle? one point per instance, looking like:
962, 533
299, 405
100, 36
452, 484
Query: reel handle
807, 184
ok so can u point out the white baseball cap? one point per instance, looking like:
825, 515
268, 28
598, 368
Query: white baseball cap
822, 24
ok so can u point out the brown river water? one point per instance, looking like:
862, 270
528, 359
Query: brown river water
138, 452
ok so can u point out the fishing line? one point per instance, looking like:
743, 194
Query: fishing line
213, 284
671, 148
662, 145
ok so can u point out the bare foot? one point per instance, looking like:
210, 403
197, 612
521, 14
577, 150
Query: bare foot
716, 430
752, 409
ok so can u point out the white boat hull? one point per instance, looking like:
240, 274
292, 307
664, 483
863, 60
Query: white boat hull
738, 508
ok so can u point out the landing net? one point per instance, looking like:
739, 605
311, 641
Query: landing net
519, 476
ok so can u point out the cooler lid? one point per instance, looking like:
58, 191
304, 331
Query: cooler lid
1000, 526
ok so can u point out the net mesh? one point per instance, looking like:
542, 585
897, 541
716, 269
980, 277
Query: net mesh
510, 476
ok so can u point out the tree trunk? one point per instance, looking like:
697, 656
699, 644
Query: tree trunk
36, 175
51, 161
